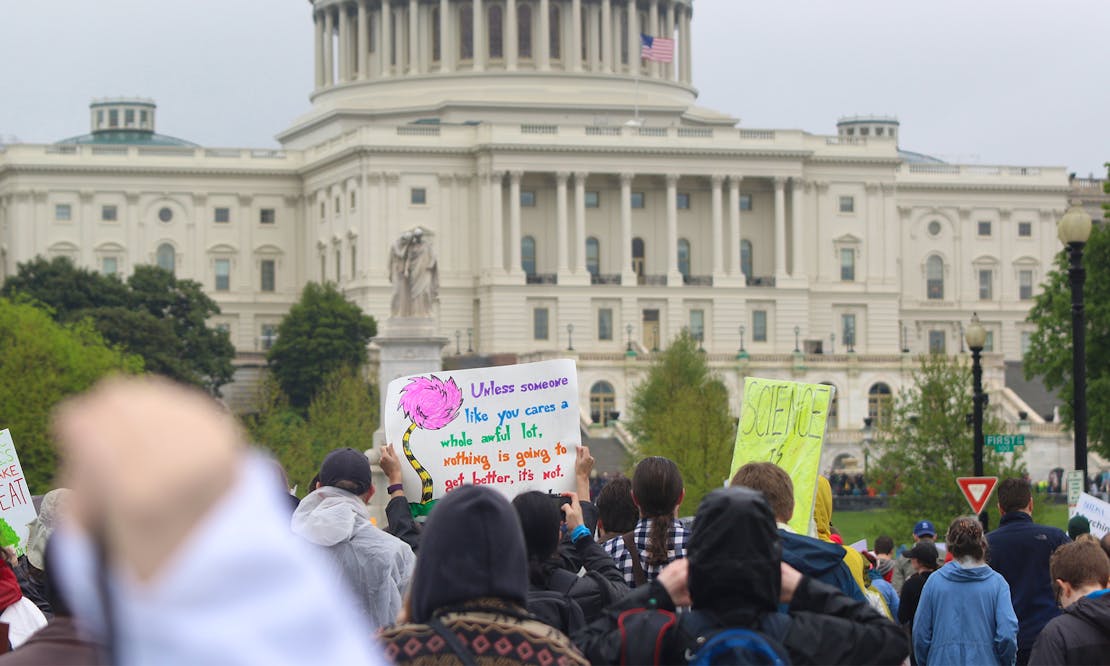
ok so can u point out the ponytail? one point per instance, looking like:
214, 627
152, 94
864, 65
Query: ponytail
657, 488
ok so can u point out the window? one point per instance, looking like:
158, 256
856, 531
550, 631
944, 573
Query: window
934, 228
637, 199
267, 270
223, 274
338, 266
833, 406
593, 199
337, 208
984, 228
759, 326
129, 118
745, 202
113, 118
166, 258
323, 211
1025, 285
269, 335
555, 35
323, 267
988, 342
100, 118
605, 324
638, 261
593, 256
495, 36
1026, 342
683, 201
109, 213
934, 278
864, 131
63, 212
266, 216
223, 215
466, 33
224, 328
847, 264
697, 324
847, 204
528, 198
938, 342
418, 196
1025, 229
848, 330
684, 257
528, 255
165, 214
354, 260
524, 31
142, 118
986, 284
879, 403
746, 257
539, 324
109, 266
354, 200
602, 403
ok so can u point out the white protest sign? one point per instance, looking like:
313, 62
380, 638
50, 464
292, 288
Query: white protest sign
514, 428
16, 507
1096, 512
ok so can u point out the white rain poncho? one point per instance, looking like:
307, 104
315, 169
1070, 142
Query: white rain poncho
375, 565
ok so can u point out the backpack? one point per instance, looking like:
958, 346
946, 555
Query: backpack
710, 643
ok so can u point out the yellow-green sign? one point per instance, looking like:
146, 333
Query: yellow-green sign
784, 423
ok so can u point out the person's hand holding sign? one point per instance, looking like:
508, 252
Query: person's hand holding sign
572, 513
583, 465
391, 467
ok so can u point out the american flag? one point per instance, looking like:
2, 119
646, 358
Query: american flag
657, 49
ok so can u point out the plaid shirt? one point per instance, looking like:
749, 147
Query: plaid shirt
677, 541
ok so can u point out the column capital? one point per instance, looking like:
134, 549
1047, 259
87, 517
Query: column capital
872, 187
515, 176
717, 179
562, 177
445, 178
245, 199
735, 179
497, 176
580, 177
779, 181
626, 178
889, 188
798, 181
671, 179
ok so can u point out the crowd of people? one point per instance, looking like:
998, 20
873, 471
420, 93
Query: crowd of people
174, 542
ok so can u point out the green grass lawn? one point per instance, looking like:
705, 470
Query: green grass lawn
856, 525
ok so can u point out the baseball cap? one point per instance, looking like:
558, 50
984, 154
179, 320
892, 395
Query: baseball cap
924, 552
924, 527
347, 465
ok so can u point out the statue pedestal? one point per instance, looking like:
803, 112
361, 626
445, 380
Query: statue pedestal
406, 346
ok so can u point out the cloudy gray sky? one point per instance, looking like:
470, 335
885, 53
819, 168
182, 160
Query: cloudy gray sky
990, 81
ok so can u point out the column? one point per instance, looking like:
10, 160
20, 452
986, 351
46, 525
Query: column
575, 55
798, 269
674, 278
481, 48
780, 228
497, 194
633, 39
414, 38
544, 41
653, 30
607, 62
512, 38
344, 44
734, 225
561, 219
718, 225
514, 220
363, 59
385, 41
580, 222
319, 21
628, 276
446, 53
329, 48
669, 68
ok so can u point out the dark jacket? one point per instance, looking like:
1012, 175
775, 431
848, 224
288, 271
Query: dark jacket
1020, 550
734, 559
56, 643
601, 586
821, 561
1081, 635
911, 596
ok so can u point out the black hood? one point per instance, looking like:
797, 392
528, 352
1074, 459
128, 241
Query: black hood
734, 556
472, 547
1094, 610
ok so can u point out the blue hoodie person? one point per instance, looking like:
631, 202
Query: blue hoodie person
965, 615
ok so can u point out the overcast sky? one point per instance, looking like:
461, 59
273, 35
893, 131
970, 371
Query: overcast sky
988, 81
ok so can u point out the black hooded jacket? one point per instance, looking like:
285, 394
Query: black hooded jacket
1081, 635
735, 576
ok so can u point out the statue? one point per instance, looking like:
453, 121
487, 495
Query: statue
415, 275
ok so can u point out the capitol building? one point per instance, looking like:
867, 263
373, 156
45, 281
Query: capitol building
581, 205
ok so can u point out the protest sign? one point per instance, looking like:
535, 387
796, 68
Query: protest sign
1097, 513
514, 428
16, 507
784, 423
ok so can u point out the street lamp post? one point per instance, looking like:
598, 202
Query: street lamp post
1074, 229
628, 332
832, 343
458, 335
797, 331
469, 340
742, 350
976, 337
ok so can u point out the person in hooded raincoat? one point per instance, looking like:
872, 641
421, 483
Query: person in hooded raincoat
735, 575
822, 519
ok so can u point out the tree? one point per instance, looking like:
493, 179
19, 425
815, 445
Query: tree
929, 443
322, 333
680, 411
42, 362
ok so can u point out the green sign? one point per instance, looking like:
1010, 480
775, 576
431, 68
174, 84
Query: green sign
1004, 443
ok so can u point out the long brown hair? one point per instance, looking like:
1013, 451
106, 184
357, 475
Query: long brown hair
657, 488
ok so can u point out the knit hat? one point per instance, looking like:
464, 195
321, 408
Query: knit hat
1078, 525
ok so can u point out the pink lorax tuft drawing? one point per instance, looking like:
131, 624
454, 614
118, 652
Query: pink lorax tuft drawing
430, 403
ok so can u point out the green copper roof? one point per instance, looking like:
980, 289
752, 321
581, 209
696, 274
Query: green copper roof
128, 138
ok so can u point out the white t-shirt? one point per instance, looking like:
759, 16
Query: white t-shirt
23, 618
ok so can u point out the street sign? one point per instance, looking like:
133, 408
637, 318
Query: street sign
1004, 443
977, 490
1075, 489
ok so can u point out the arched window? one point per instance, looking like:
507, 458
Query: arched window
746, 257
934, 278
435, 34
167, 257
524, 31
496, 32
638, 257
602, 402
528, 255
555, 34
834, 406
684, 257
879, 404
593, 256
466, 32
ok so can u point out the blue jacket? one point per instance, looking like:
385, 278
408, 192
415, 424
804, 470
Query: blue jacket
887, 590
1019, 550
821, 561
965, 617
